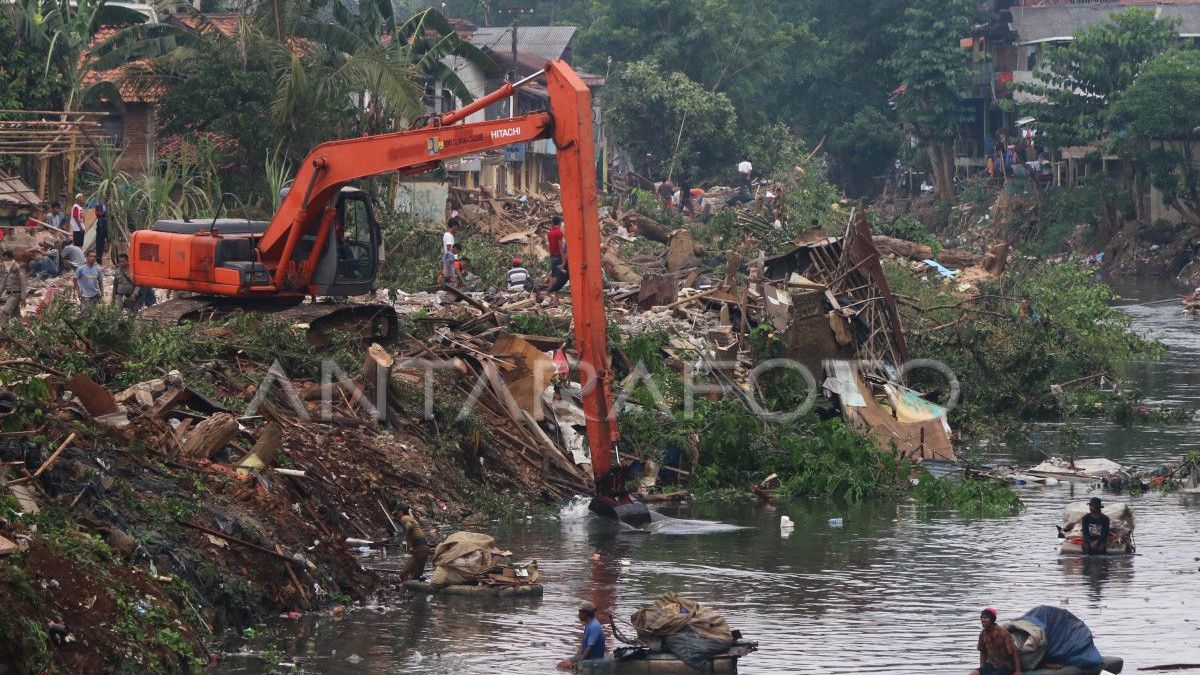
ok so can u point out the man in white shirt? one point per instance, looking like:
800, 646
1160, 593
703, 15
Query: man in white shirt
745, 192
448, 271
77, 221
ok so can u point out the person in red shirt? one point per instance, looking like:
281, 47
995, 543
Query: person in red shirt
558, 250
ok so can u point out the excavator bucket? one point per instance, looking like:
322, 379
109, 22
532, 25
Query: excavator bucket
625, 509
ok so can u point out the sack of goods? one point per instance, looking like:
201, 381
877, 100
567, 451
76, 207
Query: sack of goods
1051, 638
470, 558
1120, 527
687, 629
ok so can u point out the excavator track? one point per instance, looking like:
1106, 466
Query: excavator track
371, 322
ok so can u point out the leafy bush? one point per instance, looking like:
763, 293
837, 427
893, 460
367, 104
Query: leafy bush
813, 457
1005, 361
646, 348
535, 323
986, 498
910, 229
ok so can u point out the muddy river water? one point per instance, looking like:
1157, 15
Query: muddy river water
893, 590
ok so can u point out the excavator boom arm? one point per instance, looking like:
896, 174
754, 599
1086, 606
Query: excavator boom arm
332, 165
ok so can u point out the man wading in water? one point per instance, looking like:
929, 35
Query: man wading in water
418, 545
591, 645
998, 653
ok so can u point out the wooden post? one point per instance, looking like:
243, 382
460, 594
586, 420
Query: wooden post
377, 373
43, 178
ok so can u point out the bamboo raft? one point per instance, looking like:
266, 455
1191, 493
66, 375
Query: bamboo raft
480, 590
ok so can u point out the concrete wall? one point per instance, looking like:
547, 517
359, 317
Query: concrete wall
425, 200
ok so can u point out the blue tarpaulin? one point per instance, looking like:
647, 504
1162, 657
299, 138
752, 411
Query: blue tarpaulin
1068, 639
941, 269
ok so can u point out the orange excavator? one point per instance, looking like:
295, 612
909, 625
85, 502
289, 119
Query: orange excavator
324, 241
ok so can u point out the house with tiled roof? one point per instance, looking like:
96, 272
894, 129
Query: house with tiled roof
130, 123
525, 168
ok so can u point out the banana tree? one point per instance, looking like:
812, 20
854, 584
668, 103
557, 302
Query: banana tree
66, 31
168, 189
378, 62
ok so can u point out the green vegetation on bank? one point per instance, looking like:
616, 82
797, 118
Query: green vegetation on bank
732, 447
1040, 326
974, 496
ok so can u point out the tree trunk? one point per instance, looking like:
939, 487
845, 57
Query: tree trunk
210, 436
948, 172
942, 171
949, 257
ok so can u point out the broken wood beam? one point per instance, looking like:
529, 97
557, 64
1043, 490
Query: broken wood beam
210, 436
690, 298
240, 542
46, 464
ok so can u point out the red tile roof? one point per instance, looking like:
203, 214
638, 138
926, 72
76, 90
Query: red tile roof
226, 23
178, 146
133, 89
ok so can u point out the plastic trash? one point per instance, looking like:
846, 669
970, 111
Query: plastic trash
786, 523
835, 522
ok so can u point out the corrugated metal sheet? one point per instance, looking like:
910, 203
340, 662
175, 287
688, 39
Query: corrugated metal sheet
14, 192
1058, 23
548, 42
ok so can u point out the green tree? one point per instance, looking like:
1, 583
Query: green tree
839, 86
378, 61
932, 68
236, 81
1079, 81
24, 83
669, 121
64, 31
1160, 113
866, 145
699, 39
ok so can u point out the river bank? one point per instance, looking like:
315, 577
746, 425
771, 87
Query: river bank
177, 545
897, 589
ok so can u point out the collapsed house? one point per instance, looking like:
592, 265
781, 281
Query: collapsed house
838, 317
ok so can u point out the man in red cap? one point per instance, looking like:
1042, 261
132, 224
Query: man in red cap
517, 277
998, 653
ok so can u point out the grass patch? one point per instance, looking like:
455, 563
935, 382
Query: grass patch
973, 497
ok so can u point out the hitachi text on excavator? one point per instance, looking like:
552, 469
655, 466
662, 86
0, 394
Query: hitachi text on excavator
324, 239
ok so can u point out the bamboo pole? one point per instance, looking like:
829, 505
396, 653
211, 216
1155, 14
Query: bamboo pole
87, 113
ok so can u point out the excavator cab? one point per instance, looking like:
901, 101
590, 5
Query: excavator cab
350, 261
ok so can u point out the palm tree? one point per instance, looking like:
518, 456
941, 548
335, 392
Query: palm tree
375, 60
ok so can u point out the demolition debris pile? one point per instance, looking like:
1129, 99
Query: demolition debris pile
177, 509
180, 482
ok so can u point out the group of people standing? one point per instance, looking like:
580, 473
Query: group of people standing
48, 261
456, 271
